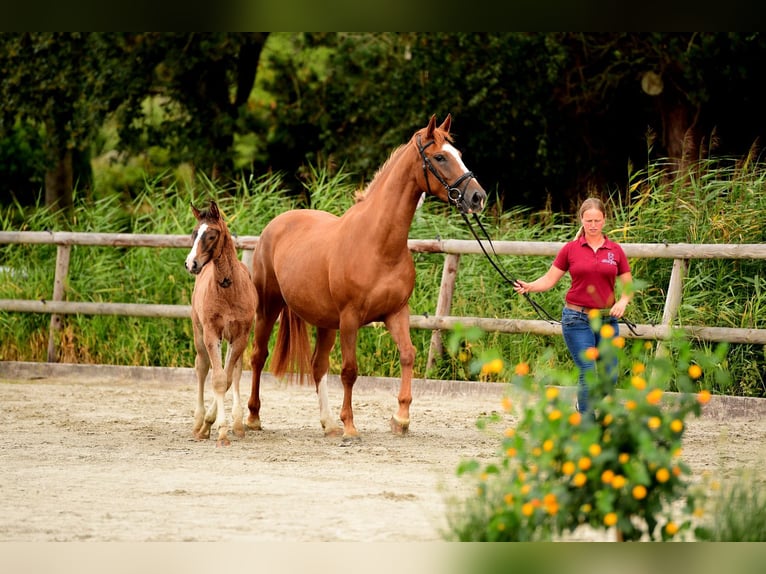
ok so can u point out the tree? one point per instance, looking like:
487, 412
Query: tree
64, 85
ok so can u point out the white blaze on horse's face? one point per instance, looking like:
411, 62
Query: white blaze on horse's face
450, 149
192, 265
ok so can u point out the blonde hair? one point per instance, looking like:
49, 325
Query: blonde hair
590, 203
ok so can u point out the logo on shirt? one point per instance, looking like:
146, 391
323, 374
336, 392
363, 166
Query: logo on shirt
609, 259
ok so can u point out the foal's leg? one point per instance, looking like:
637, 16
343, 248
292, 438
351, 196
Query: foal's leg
233, 374
398, 325
217, 413
320, 364
201, 367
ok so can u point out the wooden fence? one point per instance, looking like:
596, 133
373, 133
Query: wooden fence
680, 253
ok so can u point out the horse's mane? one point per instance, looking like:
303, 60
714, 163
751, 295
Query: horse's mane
440, 136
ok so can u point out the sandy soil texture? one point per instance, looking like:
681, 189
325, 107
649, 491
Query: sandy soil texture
112, 459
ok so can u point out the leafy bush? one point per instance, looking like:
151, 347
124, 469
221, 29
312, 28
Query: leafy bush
619, 467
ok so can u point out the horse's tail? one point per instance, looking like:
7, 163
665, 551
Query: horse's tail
292, 351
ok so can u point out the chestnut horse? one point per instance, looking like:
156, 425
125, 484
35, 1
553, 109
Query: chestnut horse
340, 273
223, 307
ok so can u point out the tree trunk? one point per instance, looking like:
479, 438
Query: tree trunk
59, 182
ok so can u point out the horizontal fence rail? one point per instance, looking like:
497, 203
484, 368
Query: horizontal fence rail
680, 253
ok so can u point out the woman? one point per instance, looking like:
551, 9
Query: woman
594, 263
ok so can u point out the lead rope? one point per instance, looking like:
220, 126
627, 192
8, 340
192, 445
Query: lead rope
541, 312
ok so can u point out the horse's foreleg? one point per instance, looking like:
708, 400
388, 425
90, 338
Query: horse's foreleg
216, 414
262, 331
320, 364
348, 375
233, 375
399, 327
201, 367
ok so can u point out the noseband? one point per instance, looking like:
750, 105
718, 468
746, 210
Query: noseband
454, 193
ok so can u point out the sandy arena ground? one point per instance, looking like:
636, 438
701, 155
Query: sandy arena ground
106, 454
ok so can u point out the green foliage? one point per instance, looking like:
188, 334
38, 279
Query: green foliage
619, 467
736, 511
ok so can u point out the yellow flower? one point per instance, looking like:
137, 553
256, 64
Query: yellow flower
594, 314
586, 508
676, 425
568, 468
695, 372
648, 345
630, 404
637, 368
663, 474
522, 369
537, 451
607, 331
492, 367
579, 479
554, 415
575, 419
619, 342
510, 452
527, 509
507, 404
654, 423
584, 463
508, 499
551, 393
548, 445
607, 476
610, 519
608, 418
639, 492
525, 489
623, 458
510, 432
462, 356
591, 353
703, 397
594, 449
619, 481
638, 382
671, 528
654, 396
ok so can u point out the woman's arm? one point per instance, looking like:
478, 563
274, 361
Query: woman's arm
542, 283
618, 309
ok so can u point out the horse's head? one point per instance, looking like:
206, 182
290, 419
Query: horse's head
444, 172
206, 238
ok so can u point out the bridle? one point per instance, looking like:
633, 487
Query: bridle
455, 195
454, 192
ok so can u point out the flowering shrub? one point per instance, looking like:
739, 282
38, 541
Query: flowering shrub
619, 467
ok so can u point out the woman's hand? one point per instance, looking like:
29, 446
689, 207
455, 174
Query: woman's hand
521, 287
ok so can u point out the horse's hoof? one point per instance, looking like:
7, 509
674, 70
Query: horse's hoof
254, 424
222, 442
239, 431
399, 428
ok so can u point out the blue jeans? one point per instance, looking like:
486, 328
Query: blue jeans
578, 335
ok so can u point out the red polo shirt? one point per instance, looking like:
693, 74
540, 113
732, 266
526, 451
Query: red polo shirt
593, 273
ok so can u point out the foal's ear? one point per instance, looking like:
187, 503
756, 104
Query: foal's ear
214, 213
446, 123
195, 211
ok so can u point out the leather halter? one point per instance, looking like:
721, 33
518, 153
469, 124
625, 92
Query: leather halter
454, 193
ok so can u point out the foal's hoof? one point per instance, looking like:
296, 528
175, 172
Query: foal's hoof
222, 442
333, 431
399, 427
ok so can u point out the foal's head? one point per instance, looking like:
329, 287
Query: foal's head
208, 238
446, 176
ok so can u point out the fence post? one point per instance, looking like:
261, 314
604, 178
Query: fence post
673, 299
443, 304
59, 284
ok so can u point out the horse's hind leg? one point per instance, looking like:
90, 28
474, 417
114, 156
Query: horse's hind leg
320, 364
234, 374
348, 374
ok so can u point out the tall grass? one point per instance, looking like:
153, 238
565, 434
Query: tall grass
714, 202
